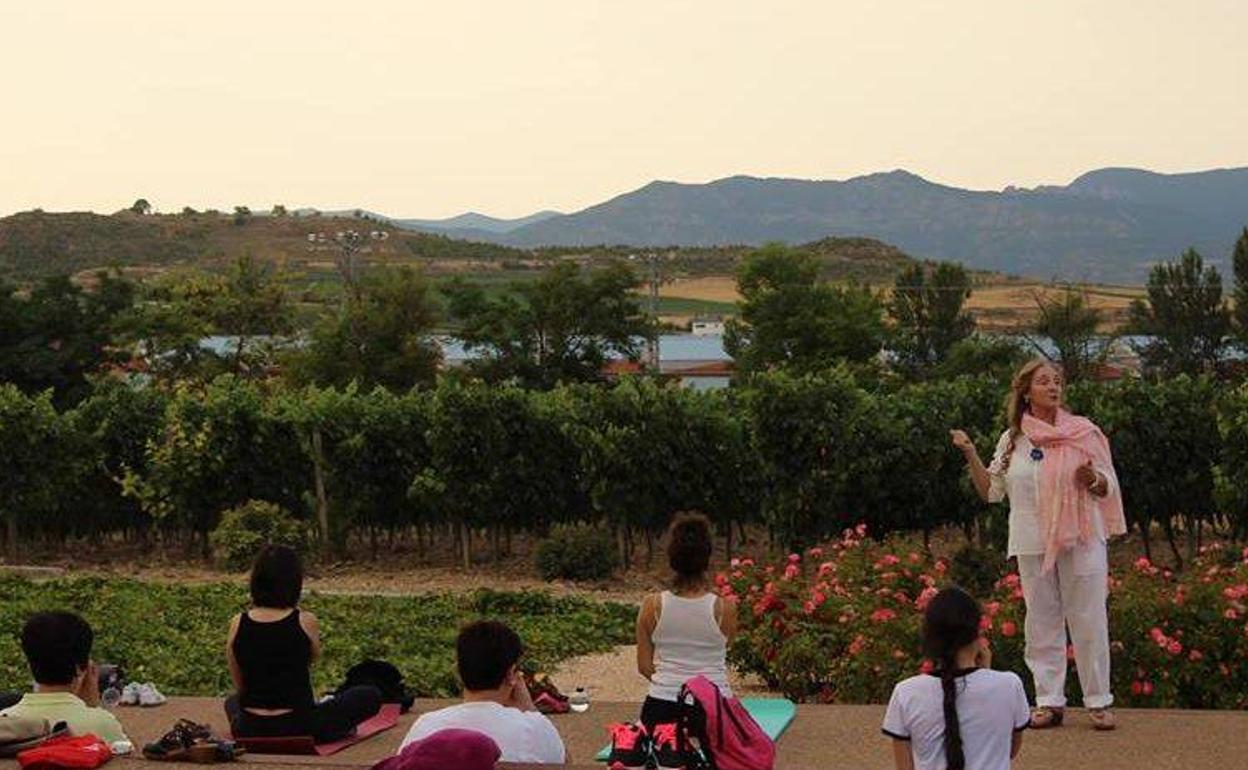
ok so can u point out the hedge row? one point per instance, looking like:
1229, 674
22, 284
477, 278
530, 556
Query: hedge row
807, 456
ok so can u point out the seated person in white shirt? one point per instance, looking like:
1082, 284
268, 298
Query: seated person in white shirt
496, 699
962, 715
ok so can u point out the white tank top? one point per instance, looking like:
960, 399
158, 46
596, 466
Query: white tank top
687, 642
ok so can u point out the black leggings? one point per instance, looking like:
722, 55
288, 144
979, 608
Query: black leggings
657, 712
325, 722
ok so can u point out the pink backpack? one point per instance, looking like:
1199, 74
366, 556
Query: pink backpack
724, 730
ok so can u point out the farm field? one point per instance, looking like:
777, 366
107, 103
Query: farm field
997, 306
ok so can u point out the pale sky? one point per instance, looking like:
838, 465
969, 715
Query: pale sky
428, 109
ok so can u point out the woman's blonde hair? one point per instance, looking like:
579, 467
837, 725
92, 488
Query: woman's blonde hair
1016, 401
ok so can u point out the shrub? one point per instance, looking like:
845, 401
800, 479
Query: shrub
976, 569
841, 624
576, 552
244, 530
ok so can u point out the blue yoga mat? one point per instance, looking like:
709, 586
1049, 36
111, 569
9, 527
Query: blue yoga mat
772, 714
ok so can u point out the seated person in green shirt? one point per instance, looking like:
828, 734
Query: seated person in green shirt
67, 685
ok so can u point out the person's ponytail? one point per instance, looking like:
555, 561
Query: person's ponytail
950, 624
955, 758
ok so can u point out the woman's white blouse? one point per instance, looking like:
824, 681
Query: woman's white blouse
1019, 483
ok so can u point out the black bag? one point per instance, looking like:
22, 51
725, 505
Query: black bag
385, 677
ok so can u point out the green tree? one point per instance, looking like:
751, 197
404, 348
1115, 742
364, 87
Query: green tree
187, 211
166, 327
385, 337
1186, 314
556, 329
33, 459
279, 210
928, 309
221, 446
1240, 263
252, 304
141, 207
790, 319
997, 357
242, 215
60, 333
1070, 322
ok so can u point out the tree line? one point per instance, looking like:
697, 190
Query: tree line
802, 455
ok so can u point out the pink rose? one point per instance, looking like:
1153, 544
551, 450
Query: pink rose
882, 615
1008, 629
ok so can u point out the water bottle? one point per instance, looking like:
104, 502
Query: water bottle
110, 685
579, 700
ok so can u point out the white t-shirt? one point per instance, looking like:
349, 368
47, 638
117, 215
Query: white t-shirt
991, 707
522, 736
1020, 483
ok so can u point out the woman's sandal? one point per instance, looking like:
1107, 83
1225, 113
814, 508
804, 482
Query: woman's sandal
192, 742
1102, 719
1044, 717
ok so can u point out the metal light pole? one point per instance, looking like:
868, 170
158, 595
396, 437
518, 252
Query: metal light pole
349, 243
652, 343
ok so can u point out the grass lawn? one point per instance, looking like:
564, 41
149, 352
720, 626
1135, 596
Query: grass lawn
174, 635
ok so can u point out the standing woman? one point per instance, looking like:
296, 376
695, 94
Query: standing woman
270, 651
1057, 471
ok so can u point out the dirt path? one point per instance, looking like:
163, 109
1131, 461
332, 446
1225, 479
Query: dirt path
613, 676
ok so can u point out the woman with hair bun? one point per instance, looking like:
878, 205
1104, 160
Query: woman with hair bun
962, 714
684, 631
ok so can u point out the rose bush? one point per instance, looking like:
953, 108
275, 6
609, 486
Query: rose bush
841, 623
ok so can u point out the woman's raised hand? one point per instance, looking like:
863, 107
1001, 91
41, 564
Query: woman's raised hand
962, 441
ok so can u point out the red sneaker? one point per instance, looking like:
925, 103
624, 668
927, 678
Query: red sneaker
548, 704
630, 747
667, 755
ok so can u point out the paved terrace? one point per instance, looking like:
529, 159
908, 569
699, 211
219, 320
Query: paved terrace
830, 737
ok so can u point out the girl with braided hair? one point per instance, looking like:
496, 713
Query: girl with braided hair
962, 715
1057, 471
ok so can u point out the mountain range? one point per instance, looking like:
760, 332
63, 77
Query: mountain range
1109, 225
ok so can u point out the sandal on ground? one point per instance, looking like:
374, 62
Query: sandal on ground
192, 742
1044, 717
1102, 719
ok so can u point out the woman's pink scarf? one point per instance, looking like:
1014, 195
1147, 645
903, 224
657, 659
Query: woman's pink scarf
1066, 506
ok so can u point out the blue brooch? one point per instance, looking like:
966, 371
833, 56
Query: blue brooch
1037, 454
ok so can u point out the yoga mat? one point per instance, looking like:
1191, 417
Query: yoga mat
302, 744
772, 714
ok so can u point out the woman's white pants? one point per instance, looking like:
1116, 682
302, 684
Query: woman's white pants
1073, 595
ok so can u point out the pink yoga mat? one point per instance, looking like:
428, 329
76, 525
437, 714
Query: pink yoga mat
302, 744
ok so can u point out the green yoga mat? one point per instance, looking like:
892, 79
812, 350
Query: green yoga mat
772, 714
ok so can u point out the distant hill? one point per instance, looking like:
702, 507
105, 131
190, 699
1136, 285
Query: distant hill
36, 243
1109, 225
473, 222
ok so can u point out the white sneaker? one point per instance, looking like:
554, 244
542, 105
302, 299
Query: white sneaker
130, 694
150, 696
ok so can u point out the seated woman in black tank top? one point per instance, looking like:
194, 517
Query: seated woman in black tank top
270, 651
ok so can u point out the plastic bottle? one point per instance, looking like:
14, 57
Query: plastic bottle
579, 700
